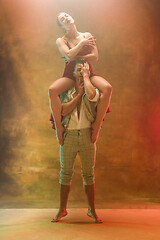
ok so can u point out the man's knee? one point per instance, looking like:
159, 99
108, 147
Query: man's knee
88, 178
66, 176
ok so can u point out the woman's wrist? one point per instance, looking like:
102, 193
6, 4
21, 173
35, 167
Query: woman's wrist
82, 42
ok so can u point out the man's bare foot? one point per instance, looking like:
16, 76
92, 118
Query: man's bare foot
95, 131
60, 214
94, 216
59, 133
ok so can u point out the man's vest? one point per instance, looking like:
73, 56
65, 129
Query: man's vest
89, 106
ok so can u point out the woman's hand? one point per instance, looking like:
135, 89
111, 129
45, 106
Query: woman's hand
90, 41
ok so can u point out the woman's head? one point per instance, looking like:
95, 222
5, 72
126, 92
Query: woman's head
64, 20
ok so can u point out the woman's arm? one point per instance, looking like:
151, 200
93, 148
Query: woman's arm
70, 54
89, 57
93, 55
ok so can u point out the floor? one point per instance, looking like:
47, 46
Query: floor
119, 224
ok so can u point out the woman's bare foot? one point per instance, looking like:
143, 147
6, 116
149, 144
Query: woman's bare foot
59, 133
94, 216
60, 214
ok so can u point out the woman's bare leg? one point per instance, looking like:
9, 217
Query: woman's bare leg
106, 89
58, 87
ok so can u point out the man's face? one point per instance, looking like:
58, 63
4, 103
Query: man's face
77, 72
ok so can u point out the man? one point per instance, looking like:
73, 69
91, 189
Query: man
79, 112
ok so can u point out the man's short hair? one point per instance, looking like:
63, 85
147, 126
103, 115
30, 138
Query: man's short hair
79, 61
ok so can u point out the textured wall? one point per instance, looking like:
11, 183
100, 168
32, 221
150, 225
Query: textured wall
128, 153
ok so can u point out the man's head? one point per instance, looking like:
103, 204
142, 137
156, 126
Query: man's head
78, 69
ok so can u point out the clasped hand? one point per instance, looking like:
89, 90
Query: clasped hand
90, 41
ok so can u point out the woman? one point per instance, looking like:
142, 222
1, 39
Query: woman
75, 45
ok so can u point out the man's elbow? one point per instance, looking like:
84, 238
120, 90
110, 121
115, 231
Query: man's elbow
63, 112
92, 95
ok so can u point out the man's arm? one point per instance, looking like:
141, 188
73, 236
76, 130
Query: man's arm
89, 88
70, 106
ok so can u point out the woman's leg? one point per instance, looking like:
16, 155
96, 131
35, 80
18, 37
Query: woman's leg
58, 87
106, 89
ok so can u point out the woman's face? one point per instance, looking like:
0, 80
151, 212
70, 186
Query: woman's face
65, 19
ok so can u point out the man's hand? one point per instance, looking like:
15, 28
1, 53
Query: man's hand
89, 88
85, 70
80, 87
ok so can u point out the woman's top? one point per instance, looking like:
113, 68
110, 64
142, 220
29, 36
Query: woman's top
69, 67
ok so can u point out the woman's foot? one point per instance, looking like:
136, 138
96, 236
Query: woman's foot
60, 214
94, 216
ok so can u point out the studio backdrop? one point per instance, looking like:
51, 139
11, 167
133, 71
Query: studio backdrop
128, 153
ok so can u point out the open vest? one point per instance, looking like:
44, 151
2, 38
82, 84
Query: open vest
89, 106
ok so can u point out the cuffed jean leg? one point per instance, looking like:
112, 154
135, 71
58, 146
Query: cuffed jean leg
87, 153
68, 154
